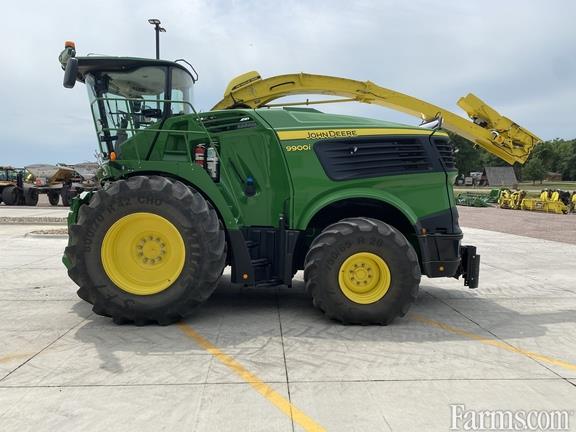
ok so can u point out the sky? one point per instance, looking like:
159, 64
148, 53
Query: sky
518, 56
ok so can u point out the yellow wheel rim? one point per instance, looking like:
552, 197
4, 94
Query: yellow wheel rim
364, 278
143, 253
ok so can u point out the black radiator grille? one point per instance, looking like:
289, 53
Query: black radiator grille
373, 157
446, 151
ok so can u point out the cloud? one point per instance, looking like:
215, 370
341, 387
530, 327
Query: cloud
518, 56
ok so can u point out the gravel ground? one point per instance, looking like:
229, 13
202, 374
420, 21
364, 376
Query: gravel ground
561, 228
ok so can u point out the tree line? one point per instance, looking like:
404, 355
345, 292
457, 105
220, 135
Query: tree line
555, 156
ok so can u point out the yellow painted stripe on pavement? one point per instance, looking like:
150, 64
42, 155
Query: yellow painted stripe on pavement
257, 384
494, 342
317, 134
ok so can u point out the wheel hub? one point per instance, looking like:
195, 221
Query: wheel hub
364, 278
143, 253
151, 250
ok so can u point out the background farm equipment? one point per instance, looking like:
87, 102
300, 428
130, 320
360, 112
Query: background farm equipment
471, 199
549, 201
14, 190
478, 199
85, 178
509, 199
62, 182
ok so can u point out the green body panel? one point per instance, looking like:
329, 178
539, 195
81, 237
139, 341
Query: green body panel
415, 195
291, 184
309, 118
256, 154
171, 138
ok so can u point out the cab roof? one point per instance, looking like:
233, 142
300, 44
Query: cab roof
117, 64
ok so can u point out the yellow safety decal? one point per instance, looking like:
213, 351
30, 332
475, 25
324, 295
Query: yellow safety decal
318, 134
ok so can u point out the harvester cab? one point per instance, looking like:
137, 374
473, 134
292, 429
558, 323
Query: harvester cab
365, 207
129, 96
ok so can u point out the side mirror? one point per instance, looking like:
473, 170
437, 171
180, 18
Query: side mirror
71, 72
435, 123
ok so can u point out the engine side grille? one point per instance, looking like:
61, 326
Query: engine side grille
225, 123
446, 151
373, 157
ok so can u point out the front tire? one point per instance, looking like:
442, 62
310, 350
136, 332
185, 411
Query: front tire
10, 195
146, 250
362, 271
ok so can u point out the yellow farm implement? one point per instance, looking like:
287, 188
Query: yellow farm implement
558, 202
548, 202
511, 199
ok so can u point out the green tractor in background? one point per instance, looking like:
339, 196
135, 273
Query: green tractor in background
363, 206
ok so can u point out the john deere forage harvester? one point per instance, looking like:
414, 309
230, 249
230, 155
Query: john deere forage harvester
363, 206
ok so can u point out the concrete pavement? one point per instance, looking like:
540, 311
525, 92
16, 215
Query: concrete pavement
32, 215
509, 345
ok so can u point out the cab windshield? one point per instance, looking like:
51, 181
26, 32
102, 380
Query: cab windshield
8, 174
127, 102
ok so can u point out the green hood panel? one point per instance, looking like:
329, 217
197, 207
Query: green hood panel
297, 118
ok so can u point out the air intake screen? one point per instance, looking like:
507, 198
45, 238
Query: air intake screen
225, 123
446, 151
373, 157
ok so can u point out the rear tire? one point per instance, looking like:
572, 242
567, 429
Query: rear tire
10, 195
53, 198
66, 195
31, 197
389, 259
167, 204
